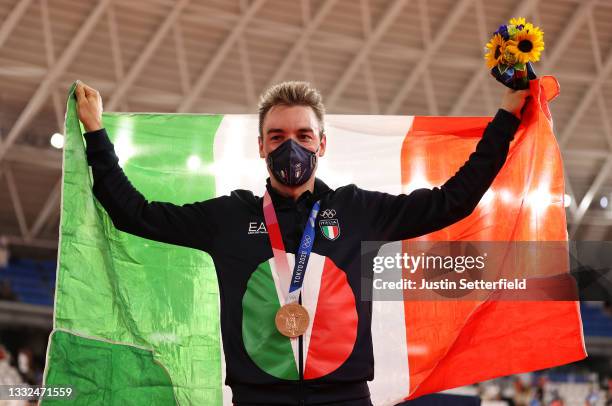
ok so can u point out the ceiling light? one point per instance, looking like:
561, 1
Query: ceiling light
57, 140
567, 200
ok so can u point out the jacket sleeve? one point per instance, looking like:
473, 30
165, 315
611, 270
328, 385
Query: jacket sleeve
399, 217
189, 225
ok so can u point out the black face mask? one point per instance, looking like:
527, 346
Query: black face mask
292, 164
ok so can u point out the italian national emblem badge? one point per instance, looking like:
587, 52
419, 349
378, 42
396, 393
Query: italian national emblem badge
330, 228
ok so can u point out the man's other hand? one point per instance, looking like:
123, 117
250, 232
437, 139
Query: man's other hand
514, 101
89, 107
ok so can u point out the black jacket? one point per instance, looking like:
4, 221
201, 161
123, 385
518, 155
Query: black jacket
229, 228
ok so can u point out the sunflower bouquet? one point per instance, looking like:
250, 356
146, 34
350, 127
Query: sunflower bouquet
511, 52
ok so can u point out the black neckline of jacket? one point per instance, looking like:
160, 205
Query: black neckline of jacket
280, 201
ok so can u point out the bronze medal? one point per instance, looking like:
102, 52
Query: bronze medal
292, 320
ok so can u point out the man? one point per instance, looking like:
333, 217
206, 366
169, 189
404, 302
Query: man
277, 352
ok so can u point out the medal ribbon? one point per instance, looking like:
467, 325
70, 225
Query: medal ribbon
278, 248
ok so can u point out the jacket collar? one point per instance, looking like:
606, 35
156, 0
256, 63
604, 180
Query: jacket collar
320, 189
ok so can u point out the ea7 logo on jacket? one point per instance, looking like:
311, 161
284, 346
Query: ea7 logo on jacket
257, 227
330, 226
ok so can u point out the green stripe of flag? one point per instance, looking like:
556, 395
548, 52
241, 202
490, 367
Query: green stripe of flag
121, 288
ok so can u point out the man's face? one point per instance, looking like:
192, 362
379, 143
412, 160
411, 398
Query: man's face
296, 122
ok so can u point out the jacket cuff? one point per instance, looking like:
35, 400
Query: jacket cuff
98, 141
506, 123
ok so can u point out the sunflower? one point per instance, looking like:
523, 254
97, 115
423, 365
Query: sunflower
531, 28
527, 45
496, 48
509, 58
517, 21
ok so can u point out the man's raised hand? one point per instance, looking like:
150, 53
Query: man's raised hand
89, 107
514, 101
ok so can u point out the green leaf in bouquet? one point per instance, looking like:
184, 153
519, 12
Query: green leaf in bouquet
512, 31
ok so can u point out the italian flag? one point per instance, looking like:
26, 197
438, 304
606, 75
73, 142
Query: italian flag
136, 321
330, 231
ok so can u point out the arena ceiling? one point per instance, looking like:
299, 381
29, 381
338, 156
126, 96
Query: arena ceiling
416, 57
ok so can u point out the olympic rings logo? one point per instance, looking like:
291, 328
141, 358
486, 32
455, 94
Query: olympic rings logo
328, 213
307, 241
